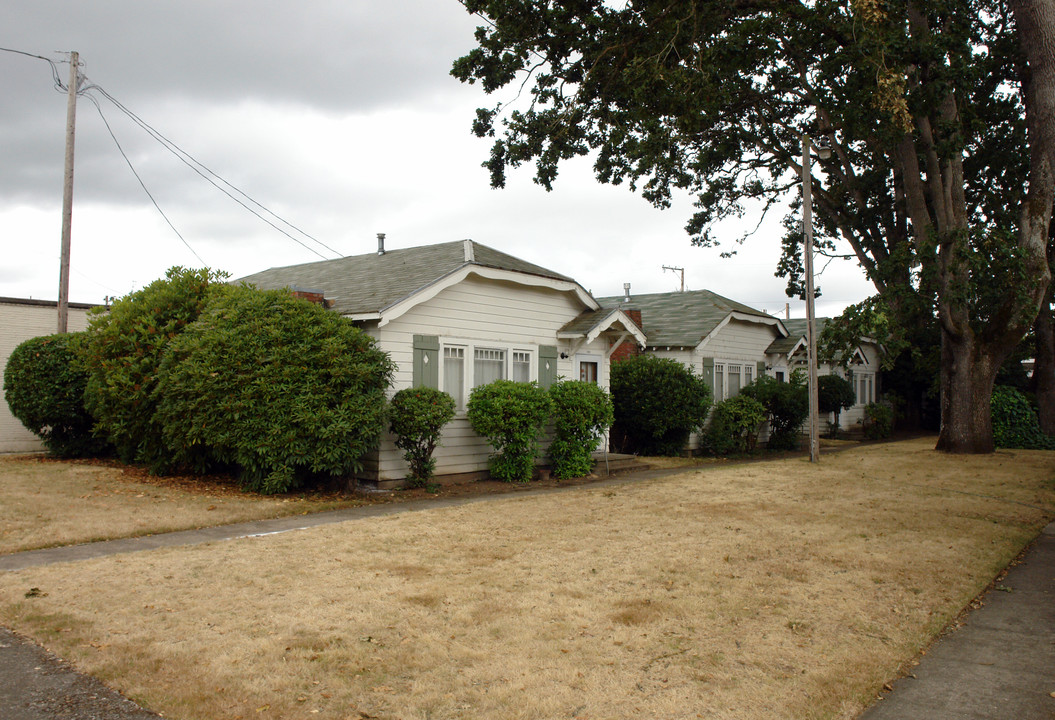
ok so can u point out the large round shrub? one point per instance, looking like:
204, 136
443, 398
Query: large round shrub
582, 412
835, 394
788, 407
122, 353
658, 403
511, 415
416, 417
44, 387
277, 386
734, 426
1015, 423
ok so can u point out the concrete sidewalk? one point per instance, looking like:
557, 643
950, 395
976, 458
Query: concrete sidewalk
1000, 664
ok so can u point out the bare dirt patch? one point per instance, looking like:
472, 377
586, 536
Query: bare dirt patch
774, 589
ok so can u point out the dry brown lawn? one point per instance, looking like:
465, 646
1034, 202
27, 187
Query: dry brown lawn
766, 590
44, 503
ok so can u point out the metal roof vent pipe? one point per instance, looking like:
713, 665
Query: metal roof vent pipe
380, 243
626, 292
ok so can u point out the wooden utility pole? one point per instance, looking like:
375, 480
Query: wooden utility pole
67, 195
811, 321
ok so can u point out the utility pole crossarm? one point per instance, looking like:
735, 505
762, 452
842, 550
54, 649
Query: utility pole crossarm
679, 270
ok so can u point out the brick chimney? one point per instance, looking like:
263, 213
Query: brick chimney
629, 347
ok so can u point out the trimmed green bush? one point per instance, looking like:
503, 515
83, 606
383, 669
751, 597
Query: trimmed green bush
582, 412
122, 353
1015, 423
44, 387
788, 407
835, 394
734, 426
416, 417
879, 421
511, 415
658, 403
279, 387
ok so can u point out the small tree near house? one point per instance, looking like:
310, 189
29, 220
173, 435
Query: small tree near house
416, 417
834, 394
582, 412
511, 415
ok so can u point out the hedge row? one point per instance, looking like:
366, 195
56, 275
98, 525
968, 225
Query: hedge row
190, 373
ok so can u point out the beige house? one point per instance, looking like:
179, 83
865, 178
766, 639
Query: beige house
457, 315
21, 320
788, 354
731, 344
723, 340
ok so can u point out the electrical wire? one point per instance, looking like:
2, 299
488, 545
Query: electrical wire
54, 68
214, 178
85, 85
140, 179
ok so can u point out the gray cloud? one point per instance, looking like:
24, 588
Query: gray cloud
339, 115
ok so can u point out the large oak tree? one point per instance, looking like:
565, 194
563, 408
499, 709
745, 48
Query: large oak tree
933, 107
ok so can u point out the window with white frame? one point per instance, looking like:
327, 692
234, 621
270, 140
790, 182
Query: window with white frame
489, 364
521, 365
454, 373
466, 365
864, 387
730, 377
589, 367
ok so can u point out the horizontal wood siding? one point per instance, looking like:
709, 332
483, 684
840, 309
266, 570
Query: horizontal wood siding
482, 310
19, 323
746, 342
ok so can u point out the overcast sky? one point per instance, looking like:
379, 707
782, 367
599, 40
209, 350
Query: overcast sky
341, 117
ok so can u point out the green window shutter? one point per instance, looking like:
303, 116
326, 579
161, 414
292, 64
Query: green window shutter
426, 361
547, 365
708, 374
761, 369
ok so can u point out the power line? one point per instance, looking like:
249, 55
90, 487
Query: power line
141, 183
54, 67
208, 175
202, 170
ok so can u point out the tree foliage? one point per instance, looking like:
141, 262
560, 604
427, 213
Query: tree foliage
835, 394
44, 387
276, 386
1015, 422
878, 421
910, 358
658, 403
511, 415
940, 113
122, 353
787, 407
582, 413
734, 426
416, 417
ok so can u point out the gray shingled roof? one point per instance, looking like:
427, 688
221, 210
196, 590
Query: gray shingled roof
363, 284
681, 319
586, 321
796, 328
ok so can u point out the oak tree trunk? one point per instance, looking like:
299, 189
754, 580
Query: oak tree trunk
967, 375
1044, 369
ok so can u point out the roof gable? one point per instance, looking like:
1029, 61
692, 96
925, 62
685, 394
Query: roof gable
685, 319
590, 324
